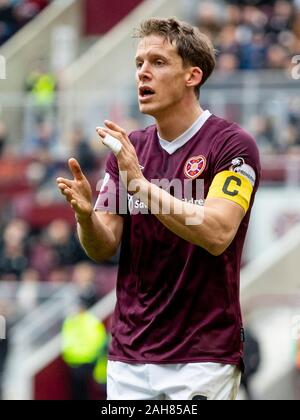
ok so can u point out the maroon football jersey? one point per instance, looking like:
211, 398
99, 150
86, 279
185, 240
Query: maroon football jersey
176, 303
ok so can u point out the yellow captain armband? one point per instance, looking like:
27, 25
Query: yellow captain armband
232, 186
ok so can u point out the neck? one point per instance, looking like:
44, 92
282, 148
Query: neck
170, 126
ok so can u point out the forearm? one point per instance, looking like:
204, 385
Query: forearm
199, 225
96, 238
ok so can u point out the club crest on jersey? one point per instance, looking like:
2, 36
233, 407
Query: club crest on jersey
194, 167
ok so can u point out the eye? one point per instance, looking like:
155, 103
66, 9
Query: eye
159, 62
139, 64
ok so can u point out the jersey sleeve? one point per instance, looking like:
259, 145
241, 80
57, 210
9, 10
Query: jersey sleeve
112, 196
236, 169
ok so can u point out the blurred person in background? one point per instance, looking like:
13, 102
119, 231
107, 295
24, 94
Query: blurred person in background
43, 140
8, 22
209, 18
252, 359
84, 277
227, 64
278, 57
84, 341
263, 129
13, 249
59, 276
60, 237
42, 85
4, 343
54, 248
178, 314
26, 10
3, 138
82, 150
293, 141
27, 296
14, 14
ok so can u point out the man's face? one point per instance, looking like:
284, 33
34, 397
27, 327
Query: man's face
160, 76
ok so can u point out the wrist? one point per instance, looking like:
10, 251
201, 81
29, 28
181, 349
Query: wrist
137, 185
144, 185
84, 219
144, 190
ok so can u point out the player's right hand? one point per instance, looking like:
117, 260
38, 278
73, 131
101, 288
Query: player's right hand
78, 191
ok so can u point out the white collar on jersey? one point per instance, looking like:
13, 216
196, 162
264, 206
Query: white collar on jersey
171, 146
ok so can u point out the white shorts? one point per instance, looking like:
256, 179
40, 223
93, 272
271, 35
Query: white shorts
211, 381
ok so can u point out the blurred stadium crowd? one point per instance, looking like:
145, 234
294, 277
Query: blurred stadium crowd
14, 14
256, 36
249, 37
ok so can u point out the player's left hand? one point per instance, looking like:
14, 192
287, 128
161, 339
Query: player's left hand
129, 167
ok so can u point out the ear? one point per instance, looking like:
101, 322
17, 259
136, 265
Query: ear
194, 77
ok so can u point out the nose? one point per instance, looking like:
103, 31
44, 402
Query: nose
143, 72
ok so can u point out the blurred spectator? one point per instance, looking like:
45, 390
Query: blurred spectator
13, 260
291, 138
209, 18
61, 239
16, 231
16, 13
59, 276
294, 120
41, 86
55, 251
252, 359
8, 22
28, 292
82, 150
227, 42
281, 19
253, 53
28, 9
83, 341
13, 255
4, 345
43, 141
84, 277
278, 57
262, 128
3, 138
227, 63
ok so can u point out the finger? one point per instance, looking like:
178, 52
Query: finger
64, 181
120, 132
76, 170
74, 205
110, 140
62, 187
67, 193
113, 126
101, 132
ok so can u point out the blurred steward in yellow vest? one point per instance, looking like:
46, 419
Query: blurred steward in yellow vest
42, 85
84, 350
